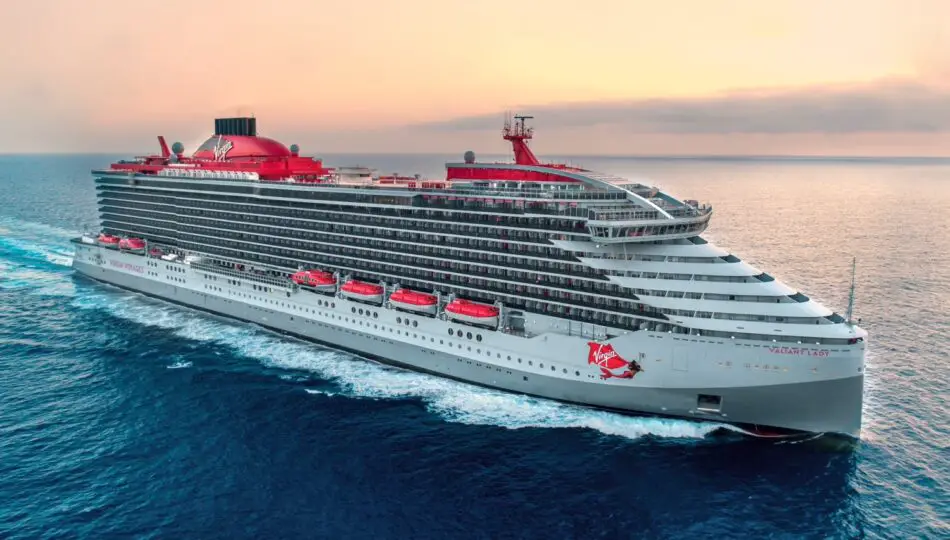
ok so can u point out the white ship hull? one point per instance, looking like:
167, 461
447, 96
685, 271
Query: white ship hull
815, 388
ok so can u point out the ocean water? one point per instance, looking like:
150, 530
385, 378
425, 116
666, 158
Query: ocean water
123, 417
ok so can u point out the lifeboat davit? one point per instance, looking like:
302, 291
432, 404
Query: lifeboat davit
472, 313
414, 301
362, 291
109, 241
134, 245
320, 281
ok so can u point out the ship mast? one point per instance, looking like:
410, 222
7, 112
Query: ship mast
851, 293
519, 134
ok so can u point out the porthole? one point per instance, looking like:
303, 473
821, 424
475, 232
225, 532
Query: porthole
468, 335
509, 358
375, 314
553, 368
565, 370
478, 337
415, 323
353, 309
578, 373
451, 332
399, 321
361, 311
333, 305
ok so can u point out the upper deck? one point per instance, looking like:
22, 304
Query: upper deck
618, 209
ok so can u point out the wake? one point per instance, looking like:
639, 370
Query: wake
36, 258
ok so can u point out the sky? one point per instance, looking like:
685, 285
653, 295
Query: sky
776, 77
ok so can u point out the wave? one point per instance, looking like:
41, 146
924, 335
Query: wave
359, 378
179, 365
34, 257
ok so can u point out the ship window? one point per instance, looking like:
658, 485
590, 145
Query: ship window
399, 321
451, 332
415, 324
468, 335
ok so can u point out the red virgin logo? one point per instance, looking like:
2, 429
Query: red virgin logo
610, 363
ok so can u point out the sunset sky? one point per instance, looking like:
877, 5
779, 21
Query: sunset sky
847, 77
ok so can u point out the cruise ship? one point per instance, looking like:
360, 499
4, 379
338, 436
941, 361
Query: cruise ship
538, 278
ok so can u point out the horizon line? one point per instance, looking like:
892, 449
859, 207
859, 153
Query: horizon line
697, 157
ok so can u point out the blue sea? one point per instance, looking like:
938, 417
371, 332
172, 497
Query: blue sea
124, 417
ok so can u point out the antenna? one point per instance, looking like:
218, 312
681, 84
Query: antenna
519, 119
851, 293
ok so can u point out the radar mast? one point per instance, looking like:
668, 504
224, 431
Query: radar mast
518, 133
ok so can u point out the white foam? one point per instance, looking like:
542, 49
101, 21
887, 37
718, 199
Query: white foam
10, 226
356, 378
320, 392
179, 365
359, 378
31, 243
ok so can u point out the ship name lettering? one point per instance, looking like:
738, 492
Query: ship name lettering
799, 351
127, 266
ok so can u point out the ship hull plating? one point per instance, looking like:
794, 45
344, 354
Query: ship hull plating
751, 385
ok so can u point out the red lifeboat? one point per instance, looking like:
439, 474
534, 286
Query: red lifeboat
155, 252
109, 241
472, 312
321, 281
414, 301
134, 245
362, 291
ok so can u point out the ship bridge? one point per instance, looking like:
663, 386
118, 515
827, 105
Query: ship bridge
628, 211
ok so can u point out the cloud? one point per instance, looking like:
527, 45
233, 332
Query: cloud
882, 107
